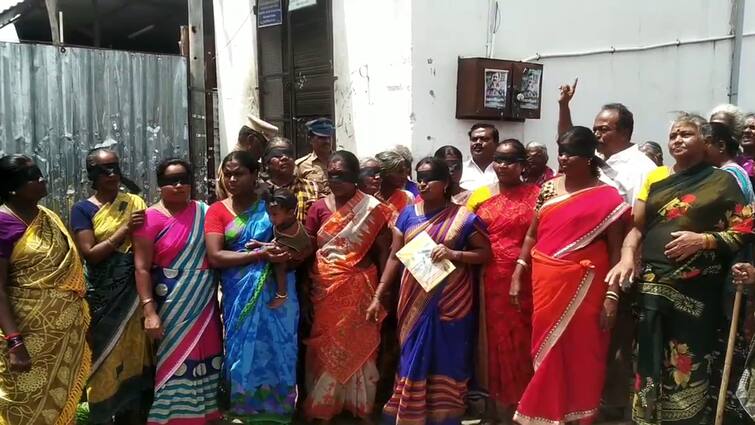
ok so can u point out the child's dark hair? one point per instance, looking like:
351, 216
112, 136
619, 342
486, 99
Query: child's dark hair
283, 198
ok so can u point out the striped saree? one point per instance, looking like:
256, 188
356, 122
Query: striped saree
189, 357
436, 328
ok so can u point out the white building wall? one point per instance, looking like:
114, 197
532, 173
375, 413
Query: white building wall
652, 83
747, 65
236, 47
372, 42
395, 64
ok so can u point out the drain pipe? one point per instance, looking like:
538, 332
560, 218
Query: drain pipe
737, 26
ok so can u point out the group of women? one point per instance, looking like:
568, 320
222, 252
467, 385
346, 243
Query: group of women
125, 303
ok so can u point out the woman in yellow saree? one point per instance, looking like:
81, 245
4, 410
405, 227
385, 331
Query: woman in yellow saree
120, 388
43, 314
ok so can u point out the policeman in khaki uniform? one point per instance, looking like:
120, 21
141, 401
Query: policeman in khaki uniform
314, 165
253, 137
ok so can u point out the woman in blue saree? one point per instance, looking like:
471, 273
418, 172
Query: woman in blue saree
260, 342
436, 328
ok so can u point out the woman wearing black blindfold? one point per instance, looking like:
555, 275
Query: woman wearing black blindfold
436, 328
507, 209
177, 293
43, 315
103, 226
573, 240
352, 246
454, 159
369, 176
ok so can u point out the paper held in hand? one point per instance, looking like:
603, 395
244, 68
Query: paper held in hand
415, 256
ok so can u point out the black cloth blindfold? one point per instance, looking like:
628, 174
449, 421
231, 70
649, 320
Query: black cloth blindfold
277, 153
174, 180
509, 159
30, 174
571, 150
430, 176
106, 170
343, 178
369, 172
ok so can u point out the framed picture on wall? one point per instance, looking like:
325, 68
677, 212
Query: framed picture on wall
531, 88
495, 88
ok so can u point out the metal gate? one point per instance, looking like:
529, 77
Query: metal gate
295, 63
57, 103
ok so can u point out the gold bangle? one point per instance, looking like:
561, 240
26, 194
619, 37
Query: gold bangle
710, 241
147, 301
522, 263
613, 293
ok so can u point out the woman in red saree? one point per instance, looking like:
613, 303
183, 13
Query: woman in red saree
573, 241
507, 209
351, 229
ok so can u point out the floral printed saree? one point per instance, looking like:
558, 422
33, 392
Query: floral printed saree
681, 301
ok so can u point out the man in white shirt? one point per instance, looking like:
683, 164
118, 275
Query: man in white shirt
478, 170
625, 168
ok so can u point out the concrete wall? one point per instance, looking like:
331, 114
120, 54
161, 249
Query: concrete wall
236, 46
373, 67
651, 83
747, 66
395, 64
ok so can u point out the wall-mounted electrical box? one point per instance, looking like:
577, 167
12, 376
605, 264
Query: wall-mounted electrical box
495, 89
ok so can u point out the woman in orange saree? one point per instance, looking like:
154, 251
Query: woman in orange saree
574, 239
350, 227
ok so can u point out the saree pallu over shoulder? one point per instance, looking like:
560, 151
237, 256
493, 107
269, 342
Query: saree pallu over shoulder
569, 263
46, 291
121, 353
436, 329
343, 287
187, 374
681, 302
571, 221
261, 343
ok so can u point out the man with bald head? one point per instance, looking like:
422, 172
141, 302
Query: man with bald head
537, 171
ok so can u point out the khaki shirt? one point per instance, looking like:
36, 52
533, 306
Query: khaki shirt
309, 167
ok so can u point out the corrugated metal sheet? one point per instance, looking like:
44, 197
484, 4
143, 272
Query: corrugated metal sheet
56, 104
7, 4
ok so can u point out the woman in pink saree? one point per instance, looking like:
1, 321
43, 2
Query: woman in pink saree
574, 239
179, 297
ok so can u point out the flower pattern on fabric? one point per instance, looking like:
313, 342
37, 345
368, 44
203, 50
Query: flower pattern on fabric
680, 360
740, 220
678, 207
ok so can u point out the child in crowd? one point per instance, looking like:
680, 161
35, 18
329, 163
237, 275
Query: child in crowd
289, 236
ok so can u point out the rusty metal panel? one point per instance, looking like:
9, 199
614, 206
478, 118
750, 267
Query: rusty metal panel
57, 103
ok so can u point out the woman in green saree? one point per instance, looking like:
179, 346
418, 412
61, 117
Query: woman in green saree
690, 220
